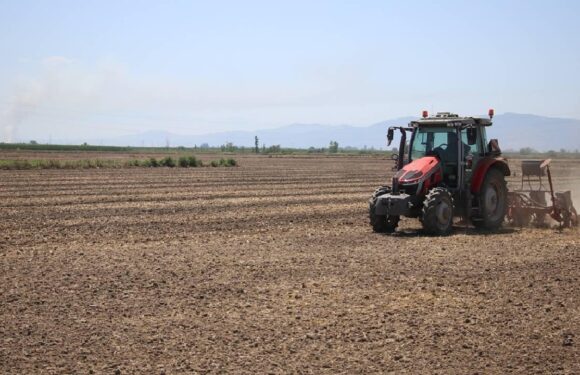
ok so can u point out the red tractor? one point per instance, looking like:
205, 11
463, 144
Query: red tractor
449, 170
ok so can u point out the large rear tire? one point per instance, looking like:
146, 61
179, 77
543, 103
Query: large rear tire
381, 223
437, 215
492, 201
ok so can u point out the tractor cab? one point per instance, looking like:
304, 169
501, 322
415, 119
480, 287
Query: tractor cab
457, 142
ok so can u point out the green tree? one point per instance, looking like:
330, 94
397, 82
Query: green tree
229, 147
256, 145
333, 147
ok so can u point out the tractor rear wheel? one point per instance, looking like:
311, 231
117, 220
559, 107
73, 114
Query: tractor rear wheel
492, 201
437, 215
381, 223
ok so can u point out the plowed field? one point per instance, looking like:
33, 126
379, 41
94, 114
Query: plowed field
270, 267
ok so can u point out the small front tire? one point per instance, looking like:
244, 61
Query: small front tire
437, 214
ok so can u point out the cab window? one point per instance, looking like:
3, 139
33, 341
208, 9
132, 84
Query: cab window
427, 140
473, 148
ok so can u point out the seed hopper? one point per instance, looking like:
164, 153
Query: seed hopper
534, 201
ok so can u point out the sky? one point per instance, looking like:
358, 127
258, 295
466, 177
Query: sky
106, 68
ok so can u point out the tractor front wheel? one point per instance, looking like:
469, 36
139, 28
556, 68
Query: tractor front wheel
437, 215
492, 201
381, 223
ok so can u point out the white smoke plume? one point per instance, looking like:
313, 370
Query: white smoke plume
58, 93
27, 94
23, 101
73, 99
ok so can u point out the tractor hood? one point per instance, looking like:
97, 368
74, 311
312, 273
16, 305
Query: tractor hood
417, 170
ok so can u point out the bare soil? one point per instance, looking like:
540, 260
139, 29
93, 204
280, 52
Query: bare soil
270, 267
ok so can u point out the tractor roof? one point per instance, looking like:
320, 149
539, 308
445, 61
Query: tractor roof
447, 119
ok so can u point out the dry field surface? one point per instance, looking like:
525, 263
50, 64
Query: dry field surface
270, 267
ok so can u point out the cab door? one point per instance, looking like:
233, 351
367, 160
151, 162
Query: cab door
472, 139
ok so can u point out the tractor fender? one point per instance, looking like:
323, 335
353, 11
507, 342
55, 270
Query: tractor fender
481, 170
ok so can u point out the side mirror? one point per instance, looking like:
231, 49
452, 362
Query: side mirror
471, 136
390, 135
493, 146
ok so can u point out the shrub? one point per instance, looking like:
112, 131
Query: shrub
167, 162
189, 161
132, 163
183, 162
87, 164
227, 162
153, 163
29, 164
193, 162
49, 164
65, 164
18, 164
100, 163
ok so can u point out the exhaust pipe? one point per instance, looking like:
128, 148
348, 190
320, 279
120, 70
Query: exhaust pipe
395, 189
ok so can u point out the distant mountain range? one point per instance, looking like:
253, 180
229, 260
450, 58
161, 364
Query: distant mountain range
513, 130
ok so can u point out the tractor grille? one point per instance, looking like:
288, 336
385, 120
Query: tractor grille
410, 189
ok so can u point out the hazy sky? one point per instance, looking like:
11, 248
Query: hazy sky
73, 68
